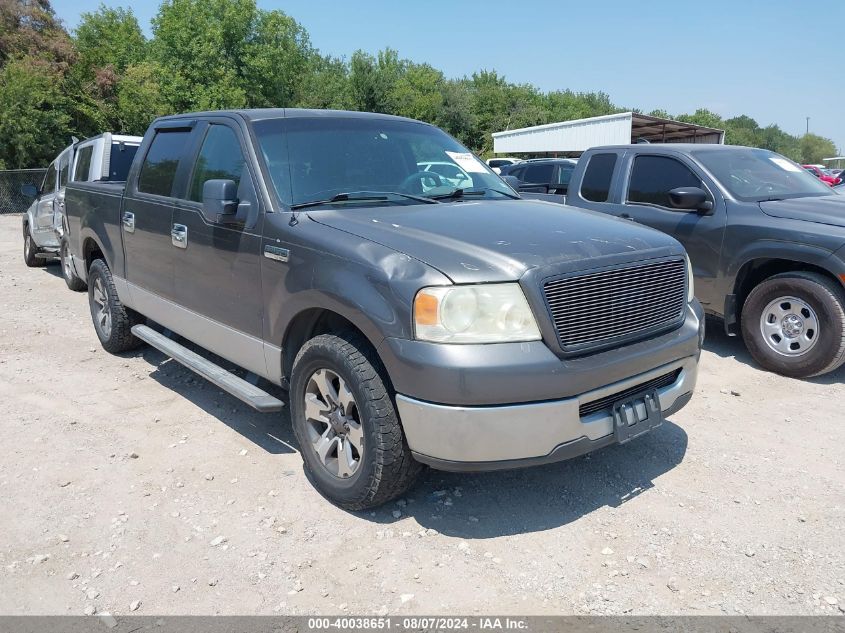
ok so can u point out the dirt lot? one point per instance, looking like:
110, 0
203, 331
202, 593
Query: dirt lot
126, 479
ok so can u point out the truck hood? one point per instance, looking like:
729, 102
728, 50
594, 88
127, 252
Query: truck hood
822, 209
496, 240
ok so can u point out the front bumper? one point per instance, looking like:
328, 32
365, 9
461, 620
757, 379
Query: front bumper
509, 436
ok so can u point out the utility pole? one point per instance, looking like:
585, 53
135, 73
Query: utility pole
808, 125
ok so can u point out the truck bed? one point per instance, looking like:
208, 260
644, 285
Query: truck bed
93, 209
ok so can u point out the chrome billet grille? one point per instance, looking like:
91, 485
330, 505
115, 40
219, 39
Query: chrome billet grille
593, 309
606, 403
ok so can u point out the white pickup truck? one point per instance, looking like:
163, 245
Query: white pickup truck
106, 157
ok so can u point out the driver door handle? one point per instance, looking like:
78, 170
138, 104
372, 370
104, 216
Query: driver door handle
128, 221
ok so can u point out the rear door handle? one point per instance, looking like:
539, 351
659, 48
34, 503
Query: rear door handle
128, 221
179, 236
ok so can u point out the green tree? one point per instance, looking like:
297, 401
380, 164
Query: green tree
110, 37
30, 28
139, 98
34, 125
326, 85
372, 80
814, 149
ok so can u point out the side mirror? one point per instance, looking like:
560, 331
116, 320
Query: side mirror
29, 190
512, 181
220, 200
690, 199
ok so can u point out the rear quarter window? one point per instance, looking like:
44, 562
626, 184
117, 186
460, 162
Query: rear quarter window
83, 163
158, 173
596, 184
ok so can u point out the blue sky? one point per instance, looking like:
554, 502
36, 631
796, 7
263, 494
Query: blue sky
778, 61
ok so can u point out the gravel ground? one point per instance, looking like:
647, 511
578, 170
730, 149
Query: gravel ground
127, 484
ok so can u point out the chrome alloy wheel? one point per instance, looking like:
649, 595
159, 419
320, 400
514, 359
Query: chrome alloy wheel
789, 326
102, 314
333, 423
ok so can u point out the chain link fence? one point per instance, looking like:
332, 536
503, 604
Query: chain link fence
11, 198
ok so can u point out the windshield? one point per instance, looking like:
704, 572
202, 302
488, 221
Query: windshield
313, 159
754, 175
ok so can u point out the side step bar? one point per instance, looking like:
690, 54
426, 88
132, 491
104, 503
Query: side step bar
257, 398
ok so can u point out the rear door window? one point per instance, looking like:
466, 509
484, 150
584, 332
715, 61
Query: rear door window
83, 163
158, 173
539, 173
64, 169
596, 184
49, 185
653, 177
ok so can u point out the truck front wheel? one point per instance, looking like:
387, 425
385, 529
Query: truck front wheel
112, 321
345, 421
794, 324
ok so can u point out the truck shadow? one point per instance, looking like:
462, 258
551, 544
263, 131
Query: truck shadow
487, 505
269, 431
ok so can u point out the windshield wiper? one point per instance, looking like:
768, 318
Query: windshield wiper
365, 196
457, 194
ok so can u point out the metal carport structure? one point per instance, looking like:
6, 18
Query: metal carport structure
573, 137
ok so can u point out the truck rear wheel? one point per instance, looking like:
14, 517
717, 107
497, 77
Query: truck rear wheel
73, 282
112, 321
794, 324
30, 250
345, 421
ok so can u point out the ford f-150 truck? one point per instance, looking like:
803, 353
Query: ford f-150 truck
411, 321
766, 239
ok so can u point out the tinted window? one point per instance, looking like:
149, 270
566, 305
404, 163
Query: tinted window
539, 173
596, 183
49, 185
220, 158
83, 163
159, 169
652, 177
120, 160
516, 172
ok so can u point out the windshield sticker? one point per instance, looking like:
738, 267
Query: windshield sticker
467, 162
785, 164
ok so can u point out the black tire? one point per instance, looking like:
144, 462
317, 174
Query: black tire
117, 337
30, 250
73, 282
386, 469
826, 299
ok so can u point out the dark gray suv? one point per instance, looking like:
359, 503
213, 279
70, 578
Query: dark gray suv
413, 322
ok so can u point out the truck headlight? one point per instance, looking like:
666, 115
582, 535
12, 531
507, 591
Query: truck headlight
690, 280
483, 313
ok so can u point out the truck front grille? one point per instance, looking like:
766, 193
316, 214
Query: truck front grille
606, 403
596, 309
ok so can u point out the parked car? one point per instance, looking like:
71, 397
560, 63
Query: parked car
496, 164
550, 175
105, 157
766, 240
465, 328
821, 174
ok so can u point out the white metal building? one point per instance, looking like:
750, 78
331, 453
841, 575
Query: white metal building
573, 137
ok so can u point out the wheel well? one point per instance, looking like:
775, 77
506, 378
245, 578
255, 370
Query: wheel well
308, 324
758, 270
90, 252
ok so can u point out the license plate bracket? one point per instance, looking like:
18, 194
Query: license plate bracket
636, 415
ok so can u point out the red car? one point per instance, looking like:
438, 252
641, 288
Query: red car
818, 173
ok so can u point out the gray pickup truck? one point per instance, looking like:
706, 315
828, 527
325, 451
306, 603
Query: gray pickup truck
766, 239
411, 321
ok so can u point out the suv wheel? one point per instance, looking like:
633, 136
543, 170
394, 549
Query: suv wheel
794, 324
346, 424
112, 321
73, 282
30, 250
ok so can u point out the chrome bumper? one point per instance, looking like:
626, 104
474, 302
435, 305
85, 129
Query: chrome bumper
441, 434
